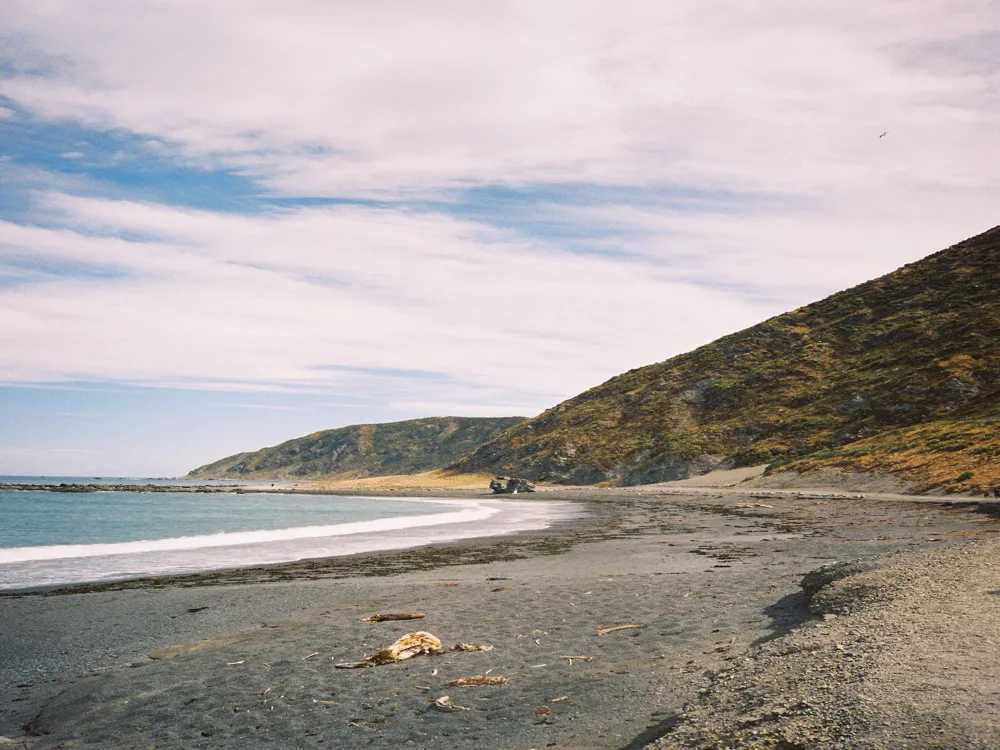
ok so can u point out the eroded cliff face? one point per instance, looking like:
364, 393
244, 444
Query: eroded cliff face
896, 375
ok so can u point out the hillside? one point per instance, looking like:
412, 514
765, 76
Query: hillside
368, 450
896, 375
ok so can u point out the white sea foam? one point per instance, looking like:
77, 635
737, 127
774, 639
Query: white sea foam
64, 551
65, 564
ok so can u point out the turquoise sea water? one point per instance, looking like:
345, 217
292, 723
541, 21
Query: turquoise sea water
41, 519
13, 479
55, 538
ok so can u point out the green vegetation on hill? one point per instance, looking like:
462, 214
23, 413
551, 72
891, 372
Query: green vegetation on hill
369, 450
898, 374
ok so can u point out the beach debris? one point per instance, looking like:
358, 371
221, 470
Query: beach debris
560, 698
310, 656
537, 666
234, 663
434, 673
613, 628
445, 704
478, 680
510, 485
386, 616
263, 692
723, 647
406, 647
578, 658
752, 505
543, 711
470, 647
329, 703
504, 588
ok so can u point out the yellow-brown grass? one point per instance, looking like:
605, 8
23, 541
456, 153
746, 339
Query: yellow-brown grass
959, 455
428, 480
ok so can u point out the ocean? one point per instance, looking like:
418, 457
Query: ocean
58, 538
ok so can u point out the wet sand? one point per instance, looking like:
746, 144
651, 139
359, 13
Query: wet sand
246, 658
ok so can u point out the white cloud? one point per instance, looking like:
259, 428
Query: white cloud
777, 104
320, 99
340, 297
266, 407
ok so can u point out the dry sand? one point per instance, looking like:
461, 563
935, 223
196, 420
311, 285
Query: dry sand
246, 659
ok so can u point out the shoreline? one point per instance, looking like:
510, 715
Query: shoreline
710, 579
305, 546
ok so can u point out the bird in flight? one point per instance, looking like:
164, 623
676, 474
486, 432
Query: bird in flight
884, 134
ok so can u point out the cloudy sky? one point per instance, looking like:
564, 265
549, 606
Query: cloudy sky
227, 224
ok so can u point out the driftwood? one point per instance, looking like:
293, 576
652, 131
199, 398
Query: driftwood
445, 704
408, 646
386, 616
723, 647
613, 628
479, 680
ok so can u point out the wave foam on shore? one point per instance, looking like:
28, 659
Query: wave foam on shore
28, 567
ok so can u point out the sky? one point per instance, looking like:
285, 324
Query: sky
224, 225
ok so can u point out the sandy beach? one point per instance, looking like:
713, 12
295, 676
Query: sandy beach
711, 582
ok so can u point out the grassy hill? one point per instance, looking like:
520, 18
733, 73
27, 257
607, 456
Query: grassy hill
368, 450
896, 375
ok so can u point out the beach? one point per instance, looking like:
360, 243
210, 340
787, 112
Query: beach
704, 581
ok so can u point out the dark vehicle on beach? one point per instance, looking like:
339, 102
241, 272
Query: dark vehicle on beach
510, 485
